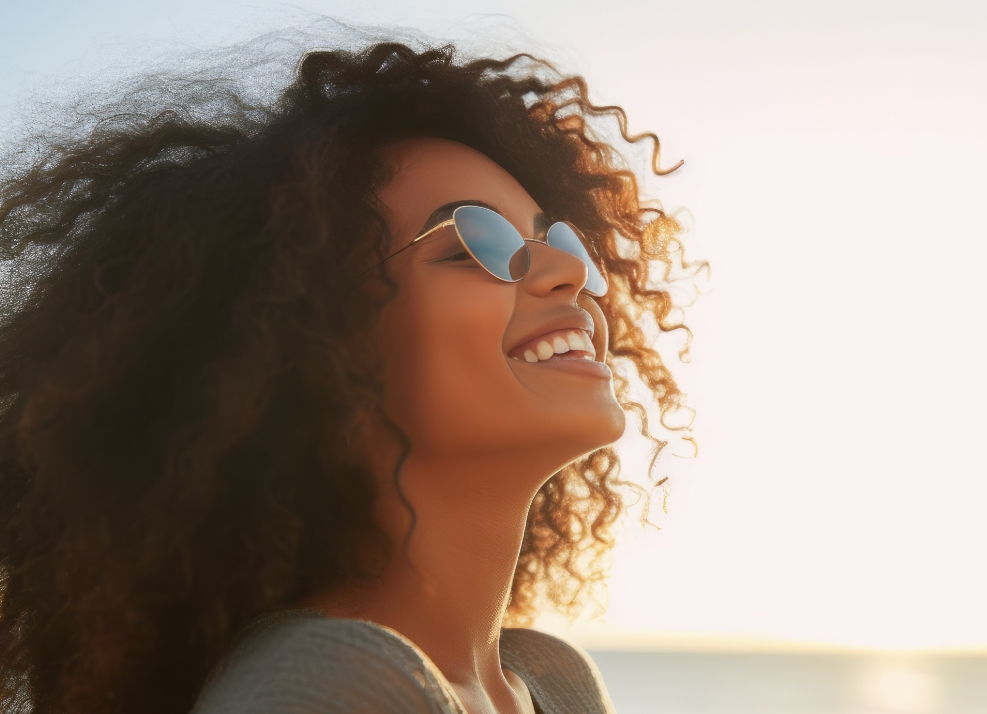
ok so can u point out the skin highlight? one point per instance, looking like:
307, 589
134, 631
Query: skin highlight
486, 429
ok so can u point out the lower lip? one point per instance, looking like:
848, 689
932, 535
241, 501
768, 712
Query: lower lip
585, 367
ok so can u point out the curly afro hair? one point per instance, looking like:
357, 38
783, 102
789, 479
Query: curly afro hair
184, 356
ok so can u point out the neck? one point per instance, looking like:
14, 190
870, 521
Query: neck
448, 589
451, 591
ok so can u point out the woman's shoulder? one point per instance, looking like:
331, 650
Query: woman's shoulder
303, 662
561, 677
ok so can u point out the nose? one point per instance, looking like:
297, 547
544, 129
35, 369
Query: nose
553, 271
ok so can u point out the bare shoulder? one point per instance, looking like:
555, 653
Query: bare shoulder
302, 662
560, 676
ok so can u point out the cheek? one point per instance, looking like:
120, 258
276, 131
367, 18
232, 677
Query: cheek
444, 366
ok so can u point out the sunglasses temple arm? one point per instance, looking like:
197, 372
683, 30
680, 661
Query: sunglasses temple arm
426, 234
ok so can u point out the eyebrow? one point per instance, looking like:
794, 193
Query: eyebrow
444, 213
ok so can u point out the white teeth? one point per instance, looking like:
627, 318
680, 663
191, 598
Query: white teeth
586, 344
575, 340
560, 345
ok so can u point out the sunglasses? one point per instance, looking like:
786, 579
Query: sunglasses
494, 243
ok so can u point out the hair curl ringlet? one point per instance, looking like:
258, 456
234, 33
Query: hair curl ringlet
185, 356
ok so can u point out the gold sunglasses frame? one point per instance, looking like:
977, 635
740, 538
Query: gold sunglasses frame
452, 222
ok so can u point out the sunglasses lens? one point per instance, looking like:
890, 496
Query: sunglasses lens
564, 237
493, 241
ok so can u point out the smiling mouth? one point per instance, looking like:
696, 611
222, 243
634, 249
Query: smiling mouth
560, 345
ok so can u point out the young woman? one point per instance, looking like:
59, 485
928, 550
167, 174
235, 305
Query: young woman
302, 404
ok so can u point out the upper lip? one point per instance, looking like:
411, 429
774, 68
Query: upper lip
575, 320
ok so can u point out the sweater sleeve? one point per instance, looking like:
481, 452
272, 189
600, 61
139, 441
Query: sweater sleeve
305, 663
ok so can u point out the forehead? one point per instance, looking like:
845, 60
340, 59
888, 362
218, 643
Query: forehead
428, 173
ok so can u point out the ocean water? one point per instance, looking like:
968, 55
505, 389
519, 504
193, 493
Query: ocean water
716, 683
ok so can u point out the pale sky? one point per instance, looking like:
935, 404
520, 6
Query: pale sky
835, 168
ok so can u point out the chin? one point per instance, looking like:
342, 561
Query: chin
613, 428
603, 428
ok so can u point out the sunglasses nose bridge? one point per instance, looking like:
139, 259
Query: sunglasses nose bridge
562, 260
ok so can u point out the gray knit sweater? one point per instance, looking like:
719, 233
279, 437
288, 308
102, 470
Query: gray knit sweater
303, 662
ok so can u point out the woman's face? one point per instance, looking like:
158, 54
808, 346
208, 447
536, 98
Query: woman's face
457, 341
